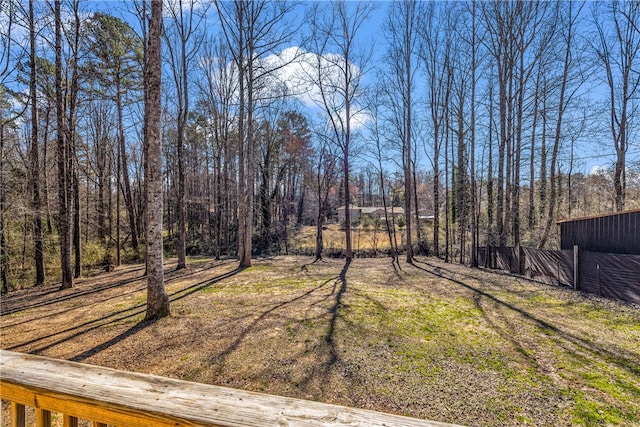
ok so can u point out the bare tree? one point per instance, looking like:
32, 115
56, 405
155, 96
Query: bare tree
35, 151
336, 70
324, 178
461, 79
516, 37
252, 29
435, 53
565, 96
474, 44
114, 61
618, 50
402, 37
157, 299
71, 130
218, 89
499, 23
183, 40
378, 150
64, 171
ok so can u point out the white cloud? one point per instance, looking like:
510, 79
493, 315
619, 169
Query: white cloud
172, 7
598, 170
304, 73
295, 71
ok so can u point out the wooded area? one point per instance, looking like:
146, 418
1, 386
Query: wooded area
481, 116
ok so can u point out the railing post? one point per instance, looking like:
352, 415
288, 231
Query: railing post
17, 415
43, 418
69, 421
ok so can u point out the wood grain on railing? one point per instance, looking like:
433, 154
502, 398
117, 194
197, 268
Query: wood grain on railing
118, 398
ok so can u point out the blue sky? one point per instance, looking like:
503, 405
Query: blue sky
592, 152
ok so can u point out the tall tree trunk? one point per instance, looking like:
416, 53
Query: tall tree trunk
461, 178
77, 270
34, 155
472, 171
118, 192
45, 175
4, 256
219, 204
157, 298
71, 144
447, 197
508, 160
556, 141
414, 180
408, 199
124, 168
180, 57
319, 225
247, 232
64, 181
346, 173
515, 208
490, 178
542, 187
502, 135
181, 244
531, 217
389, 225
407, 43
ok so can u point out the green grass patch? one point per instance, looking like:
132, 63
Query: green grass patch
480, 349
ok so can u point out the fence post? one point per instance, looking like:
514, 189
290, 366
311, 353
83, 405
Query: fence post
576, 270
494, 262
521, 260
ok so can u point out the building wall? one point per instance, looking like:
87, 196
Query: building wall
617, 233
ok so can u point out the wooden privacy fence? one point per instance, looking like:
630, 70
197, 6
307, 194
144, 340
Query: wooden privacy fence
118, 398
614, 276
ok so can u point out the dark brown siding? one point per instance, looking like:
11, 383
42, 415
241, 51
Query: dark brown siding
615, 276
610, 275
618, 233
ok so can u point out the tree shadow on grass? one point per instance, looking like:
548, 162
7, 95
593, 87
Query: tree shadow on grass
175, 296
219, 358
327, 347
11, 306
40, 297
397, 268
113, 341
622, 358
324, 350
115, 317
335, 312
60, 311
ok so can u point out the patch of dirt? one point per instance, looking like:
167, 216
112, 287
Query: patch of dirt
429, 340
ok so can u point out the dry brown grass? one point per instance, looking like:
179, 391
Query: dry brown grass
363, 238
430, 340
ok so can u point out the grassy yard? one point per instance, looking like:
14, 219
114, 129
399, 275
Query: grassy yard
430, 340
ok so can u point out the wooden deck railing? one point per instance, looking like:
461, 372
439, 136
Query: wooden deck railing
118, 398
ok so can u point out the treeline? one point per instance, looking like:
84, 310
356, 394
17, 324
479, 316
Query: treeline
480, 116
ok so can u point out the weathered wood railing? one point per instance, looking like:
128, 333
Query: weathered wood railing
118, 398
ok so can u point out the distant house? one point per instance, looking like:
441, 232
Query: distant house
425, 216
354, 210
369, 212
617, 233
393, 211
